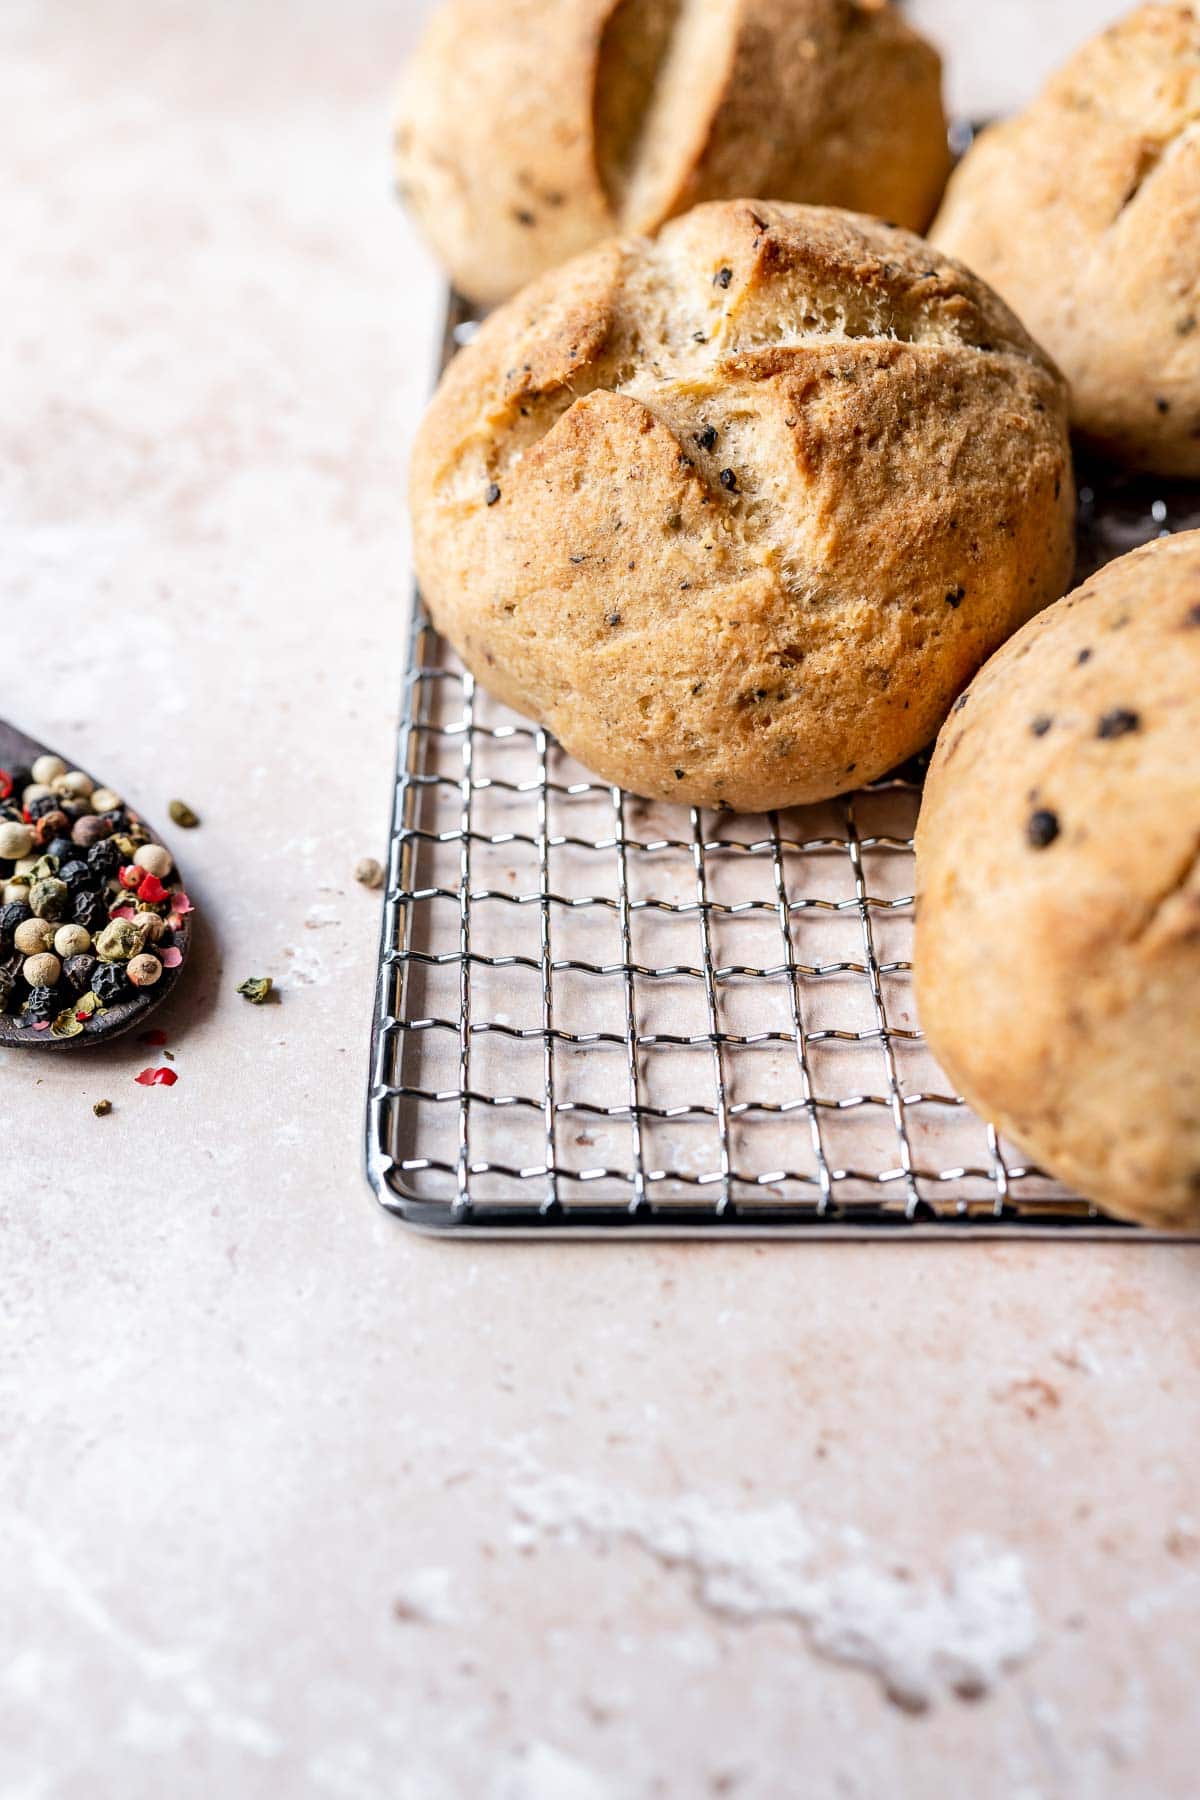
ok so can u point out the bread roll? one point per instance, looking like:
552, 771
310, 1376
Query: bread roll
1084, 213
1058, 876
738, 510
529, 132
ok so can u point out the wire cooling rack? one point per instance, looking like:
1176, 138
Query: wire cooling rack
597, 1012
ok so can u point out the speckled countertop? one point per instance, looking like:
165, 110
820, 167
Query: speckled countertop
294, 1503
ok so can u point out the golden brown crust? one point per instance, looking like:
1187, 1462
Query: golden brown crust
525, 134
1058, 871
764, 492
1084, 213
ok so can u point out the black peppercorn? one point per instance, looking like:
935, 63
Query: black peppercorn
61, 849
110, 983
707, 439
1041, 725
1118, 722
729, 480
78, 972
11, 915
8, 983
41, 1006
47, 803
89, 910
492, 495
1043, 828
722, 278
104, 859
77, 875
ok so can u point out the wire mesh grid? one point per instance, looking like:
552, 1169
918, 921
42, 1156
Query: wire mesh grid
596, 1011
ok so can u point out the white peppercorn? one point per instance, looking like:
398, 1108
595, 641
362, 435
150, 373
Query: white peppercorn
143, 970
15, 890
16, 841
73, 784
72, 940
33, 936
154, 859
369, 871
151, 924
37, 790
48, 768
42, 970
105, 799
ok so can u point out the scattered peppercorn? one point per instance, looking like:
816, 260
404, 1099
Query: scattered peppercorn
1043, 827
256, 989
369, 871
102, 1108
180, 813
1118, 723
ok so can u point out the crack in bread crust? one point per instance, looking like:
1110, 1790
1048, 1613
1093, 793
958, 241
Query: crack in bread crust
529, 132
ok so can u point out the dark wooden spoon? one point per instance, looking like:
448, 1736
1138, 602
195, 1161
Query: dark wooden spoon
20, 752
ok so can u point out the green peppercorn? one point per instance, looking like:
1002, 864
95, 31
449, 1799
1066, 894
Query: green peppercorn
256, 989
48, 898
181, 814
119, 940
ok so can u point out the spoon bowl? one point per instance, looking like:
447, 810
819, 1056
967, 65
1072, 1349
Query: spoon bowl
19, 752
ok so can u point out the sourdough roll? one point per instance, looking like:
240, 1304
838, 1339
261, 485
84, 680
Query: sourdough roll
1058, 877
528, 132
1084, 213
738, 510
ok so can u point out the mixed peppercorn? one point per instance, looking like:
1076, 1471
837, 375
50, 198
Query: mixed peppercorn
90, 906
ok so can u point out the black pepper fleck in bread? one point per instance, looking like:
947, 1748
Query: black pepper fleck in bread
1057, 954
753, 570
530, 131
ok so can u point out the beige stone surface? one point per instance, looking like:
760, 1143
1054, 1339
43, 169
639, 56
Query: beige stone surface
294, 1503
